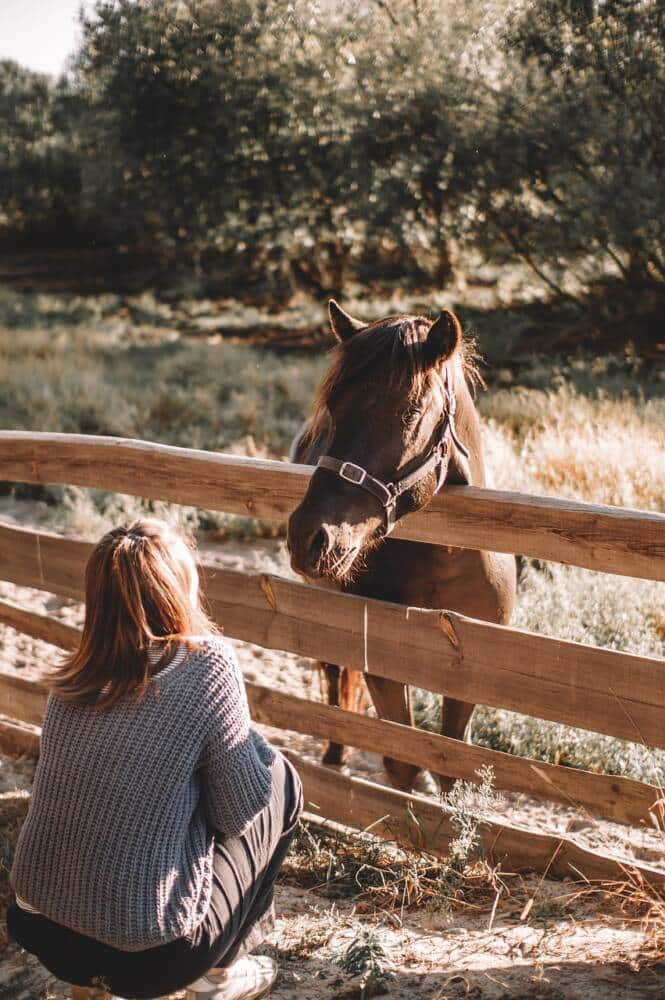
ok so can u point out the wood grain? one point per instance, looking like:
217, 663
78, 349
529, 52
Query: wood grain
22, 699
619, 694
43, 627
611, 539
18, 738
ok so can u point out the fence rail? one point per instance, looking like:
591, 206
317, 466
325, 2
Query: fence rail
611, 539
620, 694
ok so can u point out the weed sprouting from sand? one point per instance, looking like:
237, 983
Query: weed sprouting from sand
366, 958
467, 803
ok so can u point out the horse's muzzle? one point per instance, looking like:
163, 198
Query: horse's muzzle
320, 550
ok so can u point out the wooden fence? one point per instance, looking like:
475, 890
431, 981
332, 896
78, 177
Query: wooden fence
620, 694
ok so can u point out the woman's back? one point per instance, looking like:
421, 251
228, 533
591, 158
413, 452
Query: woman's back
118, 841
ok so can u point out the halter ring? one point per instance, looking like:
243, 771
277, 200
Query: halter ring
357, 476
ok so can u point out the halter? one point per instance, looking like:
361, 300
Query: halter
388, 493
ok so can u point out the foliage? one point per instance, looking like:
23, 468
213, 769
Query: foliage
366, 958
39, 170
181, 101
284, 144
288, 139
574, 147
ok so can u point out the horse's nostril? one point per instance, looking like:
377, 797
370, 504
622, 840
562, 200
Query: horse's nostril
318, 545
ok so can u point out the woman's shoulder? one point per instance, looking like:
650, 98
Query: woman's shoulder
218, 673
215, 653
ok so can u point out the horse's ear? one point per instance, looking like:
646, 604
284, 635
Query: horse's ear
443, 338
343, 325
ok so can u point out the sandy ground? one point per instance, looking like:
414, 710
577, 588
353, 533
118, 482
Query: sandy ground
563, 950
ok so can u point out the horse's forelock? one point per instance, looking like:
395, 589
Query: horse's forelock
392, 347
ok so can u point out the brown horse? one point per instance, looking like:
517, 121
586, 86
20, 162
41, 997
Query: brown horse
393, 421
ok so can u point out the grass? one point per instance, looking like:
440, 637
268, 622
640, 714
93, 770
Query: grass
219, 396
561, 441
584, 427
366, 958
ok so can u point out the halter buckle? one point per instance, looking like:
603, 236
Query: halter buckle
357, 475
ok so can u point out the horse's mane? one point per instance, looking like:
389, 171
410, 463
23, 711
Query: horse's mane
393, 347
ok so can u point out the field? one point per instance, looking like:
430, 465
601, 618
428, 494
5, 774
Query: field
587, 427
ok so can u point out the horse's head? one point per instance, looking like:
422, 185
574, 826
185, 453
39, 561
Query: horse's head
384, 422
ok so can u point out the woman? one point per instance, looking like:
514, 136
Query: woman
159, 819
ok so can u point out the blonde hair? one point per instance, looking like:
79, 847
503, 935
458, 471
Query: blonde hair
141, 590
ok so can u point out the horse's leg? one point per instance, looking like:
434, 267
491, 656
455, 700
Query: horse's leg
343, 688
392, 700
456, 723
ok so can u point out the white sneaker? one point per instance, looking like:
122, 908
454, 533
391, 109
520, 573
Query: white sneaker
247, 978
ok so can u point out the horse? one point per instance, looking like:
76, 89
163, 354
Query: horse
393, 422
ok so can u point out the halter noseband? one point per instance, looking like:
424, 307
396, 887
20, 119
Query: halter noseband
388, 493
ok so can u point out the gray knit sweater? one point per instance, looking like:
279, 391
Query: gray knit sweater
118, 840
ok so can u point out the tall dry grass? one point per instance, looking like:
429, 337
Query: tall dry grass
599, 448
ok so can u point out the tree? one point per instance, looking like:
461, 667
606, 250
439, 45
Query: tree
39, 164
575, 148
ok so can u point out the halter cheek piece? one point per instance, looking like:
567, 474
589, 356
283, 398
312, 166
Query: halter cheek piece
388, 493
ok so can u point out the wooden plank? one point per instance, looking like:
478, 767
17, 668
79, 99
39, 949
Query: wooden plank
43, 627
421, 824
611, 539
616, 798
18, 738
608, 539
619, 694
42, 560
619, 799
22, 698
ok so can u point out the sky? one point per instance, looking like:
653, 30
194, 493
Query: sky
39, 34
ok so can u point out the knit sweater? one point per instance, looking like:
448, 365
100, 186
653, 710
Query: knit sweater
118, 840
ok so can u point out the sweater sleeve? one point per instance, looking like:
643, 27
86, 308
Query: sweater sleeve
235, 762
